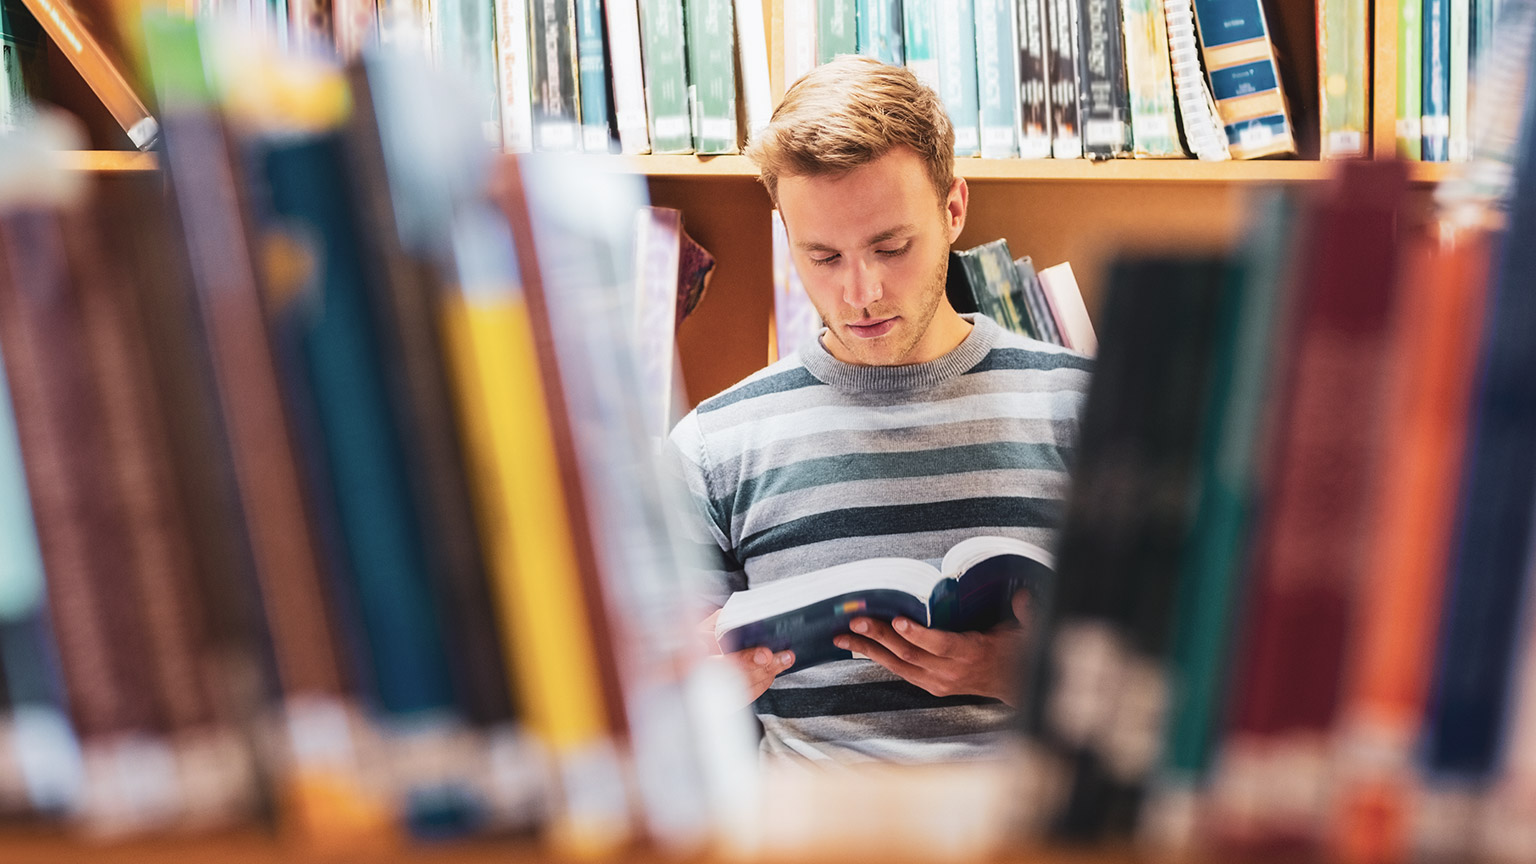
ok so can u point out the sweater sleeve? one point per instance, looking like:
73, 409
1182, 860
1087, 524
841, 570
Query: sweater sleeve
713, 568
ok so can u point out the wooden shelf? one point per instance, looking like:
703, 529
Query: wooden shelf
1063, 170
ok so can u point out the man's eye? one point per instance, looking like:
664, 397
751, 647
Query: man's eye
892, 253
824, 261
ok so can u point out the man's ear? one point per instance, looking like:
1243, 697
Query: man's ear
954, 207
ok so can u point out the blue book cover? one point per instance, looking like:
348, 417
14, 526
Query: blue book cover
1491, 562
1435, 121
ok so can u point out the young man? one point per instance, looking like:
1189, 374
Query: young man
906, 429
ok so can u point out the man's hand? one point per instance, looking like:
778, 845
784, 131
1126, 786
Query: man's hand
758, 666
943, 663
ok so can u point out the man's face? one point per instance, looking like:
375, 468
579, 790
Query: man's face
872, 247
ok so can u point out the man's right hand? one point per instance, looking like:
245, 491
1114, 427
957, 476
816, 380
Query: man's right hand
759, 667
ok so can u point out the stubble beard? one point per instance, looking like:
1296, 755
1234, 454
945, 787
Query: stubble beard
910, 330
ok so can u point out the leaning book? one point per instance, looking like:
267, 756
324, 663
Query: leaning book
972, 589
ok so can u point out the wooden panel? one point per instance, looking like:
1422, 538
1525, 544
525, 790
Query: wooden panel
726, 338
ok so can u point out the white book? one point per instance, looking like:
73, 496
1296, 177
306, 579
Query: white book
752, 60
799, 40
1067, 306
1203, 130
623, 18
512, 76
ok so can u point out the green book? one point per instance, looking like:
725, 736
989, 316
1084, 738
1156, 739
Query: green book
1410, 79
837, 30
666, 76
712, 75
922, 58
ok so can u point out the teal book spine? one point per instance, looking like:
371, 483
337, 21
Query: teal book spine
1435, 125
956, 44
712, 75
592, 84
837, 29
666, 75
361, 451
880, 31
997, 79
918, 31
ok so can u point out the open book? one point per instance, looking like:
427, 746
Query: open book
971, 590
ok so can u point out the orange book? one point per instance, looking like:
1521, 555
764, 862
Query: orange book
1392, 659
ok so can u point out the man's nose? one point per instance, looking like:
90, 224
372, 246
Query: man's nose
863, 286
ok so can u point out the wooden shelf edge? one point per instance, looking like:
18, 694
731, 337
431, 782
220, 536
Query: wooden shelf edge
109, 161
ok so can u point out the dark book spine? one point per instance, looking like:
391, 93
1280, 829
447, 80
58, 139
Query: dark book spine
407, 308
1105, 99
556, 105
1034, 80
1062, 38
592, 62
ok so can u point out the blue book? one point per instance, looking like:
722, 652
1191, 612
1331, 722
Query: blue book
1491, 562
592, 83
1435, 128
956, 44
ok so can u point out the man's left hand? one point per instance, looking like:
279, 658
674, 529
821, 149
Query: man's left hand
940, 662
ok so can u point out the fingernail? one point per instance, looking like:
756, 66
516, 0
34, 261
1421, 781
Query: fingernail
841, 642
860, 626
901, 624
786, 658
761, 658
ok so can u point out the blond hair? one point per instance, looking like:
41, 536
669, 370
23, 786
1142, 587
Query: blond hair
848, 113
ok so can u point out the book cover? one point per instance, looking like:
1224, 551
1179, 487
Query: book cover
592, 84
1105, 99
628, 77
837, 29
1435, 124
1041, 320
1034, 81
997, 78
919, 31
990, 272
955, 42
972, 589
1066, 136
1240, 62
712, 75
514, 75
666, 76
557, 116
1149, 77
68, 30
880, 31
1410, 79
1343, 60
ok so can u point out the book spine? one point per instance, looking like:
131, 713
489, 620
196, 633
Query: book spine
556, 106
1066, 138
752, 51
1149, 75
1435, 125
13, 90
956, 44
1410, 79
1034, 81
403, 24
997, 79
800, 30
1459, 145
1105, 100
1203, 134
63, 25
658, 242
1245, 78
628, 77
595, 134
464, 39
712, 75
919, 40
312, 25
837, 29
880, 31
356, 24
515, 76
1343, 43
796, 320
666, 75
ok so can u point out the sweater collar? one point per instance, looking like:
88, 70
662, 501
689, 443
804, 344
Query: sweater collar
915, 376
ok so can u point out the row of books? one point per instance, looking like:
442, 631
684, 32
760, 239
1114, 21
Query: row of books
325, 489
1296, 585
1440, 44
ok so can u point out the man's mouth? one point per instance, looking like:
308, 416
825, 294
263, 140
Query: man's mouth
870, 328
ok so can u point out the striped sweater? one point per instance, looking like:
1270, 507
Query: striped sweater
813, 462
